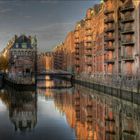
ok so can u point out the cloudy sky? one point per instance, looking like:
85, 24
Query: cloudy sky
49, 20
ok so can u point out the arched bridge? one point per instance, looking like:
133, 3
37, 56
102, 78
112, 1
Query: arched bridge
56, 73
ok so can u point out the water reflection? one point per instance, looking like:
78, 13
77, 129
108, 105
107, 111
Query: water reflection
69, 113
99, 117
49, 82
22, 108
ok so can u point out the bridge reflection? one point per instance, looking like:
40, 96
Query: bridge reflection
52, 83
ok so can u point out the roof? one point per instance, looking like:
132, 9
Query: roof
22, 42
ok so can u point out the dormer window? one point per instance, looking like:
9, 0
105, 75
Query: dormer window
16, 45
24, 45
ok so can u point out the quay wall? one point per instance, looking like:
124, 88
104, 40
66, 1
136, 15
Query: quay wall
129, 95
128, 92
20, 87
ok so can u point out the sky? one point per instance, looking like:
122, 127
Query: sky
49, 20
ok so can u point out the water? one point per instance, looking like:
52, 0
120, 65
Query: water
67, 113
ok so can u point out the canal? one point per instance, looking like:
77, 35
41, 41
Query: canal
59, 111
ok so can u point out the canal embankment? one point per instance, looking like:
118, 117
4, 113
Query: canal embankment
126, 89
21, 86
131, 93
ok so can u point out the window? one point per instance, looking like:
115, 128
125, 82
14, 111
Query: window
16, 45
24, 45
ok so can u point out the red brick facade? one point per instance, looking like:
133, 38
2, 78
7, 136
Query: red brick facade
45, 61
107, 40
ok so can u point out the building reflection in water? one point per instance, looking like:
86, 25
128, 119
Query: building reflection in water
22, 108
96, 116
91, 114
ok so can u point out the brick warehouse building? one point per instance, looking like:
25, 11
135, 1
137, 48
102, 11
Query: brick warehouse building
64, 54
58, 57
22, 57
107, 41
45, 61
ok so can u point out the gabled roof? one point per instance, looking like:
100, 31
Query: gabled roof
21, 40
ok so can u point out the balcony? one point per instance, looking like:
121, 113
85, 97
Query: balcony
128, 58
88, 27
109, 60
127, 31
108, 38
88, 34
77, 96
89, 119
127, 19
89, 41
109, 20
129, 132
106, 12
127, 8
107, 119
77, 47
89, 113
88, 55
88, 48
110, 132
77, 65
89, 63
77, 103
77, 58
76, 37
128, 42
109, 29
108, 48
76, 53
77, 42
88, 18
89, 105
77, 109
110, 127
88, 52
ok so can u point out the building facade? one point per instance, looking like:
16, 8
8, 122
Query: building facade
64, 54
45, 61
22, 57
59, 63
69, 51
107, 40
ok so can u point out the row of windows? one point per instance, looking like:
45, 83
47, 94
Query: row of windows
23, 45
23, 53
